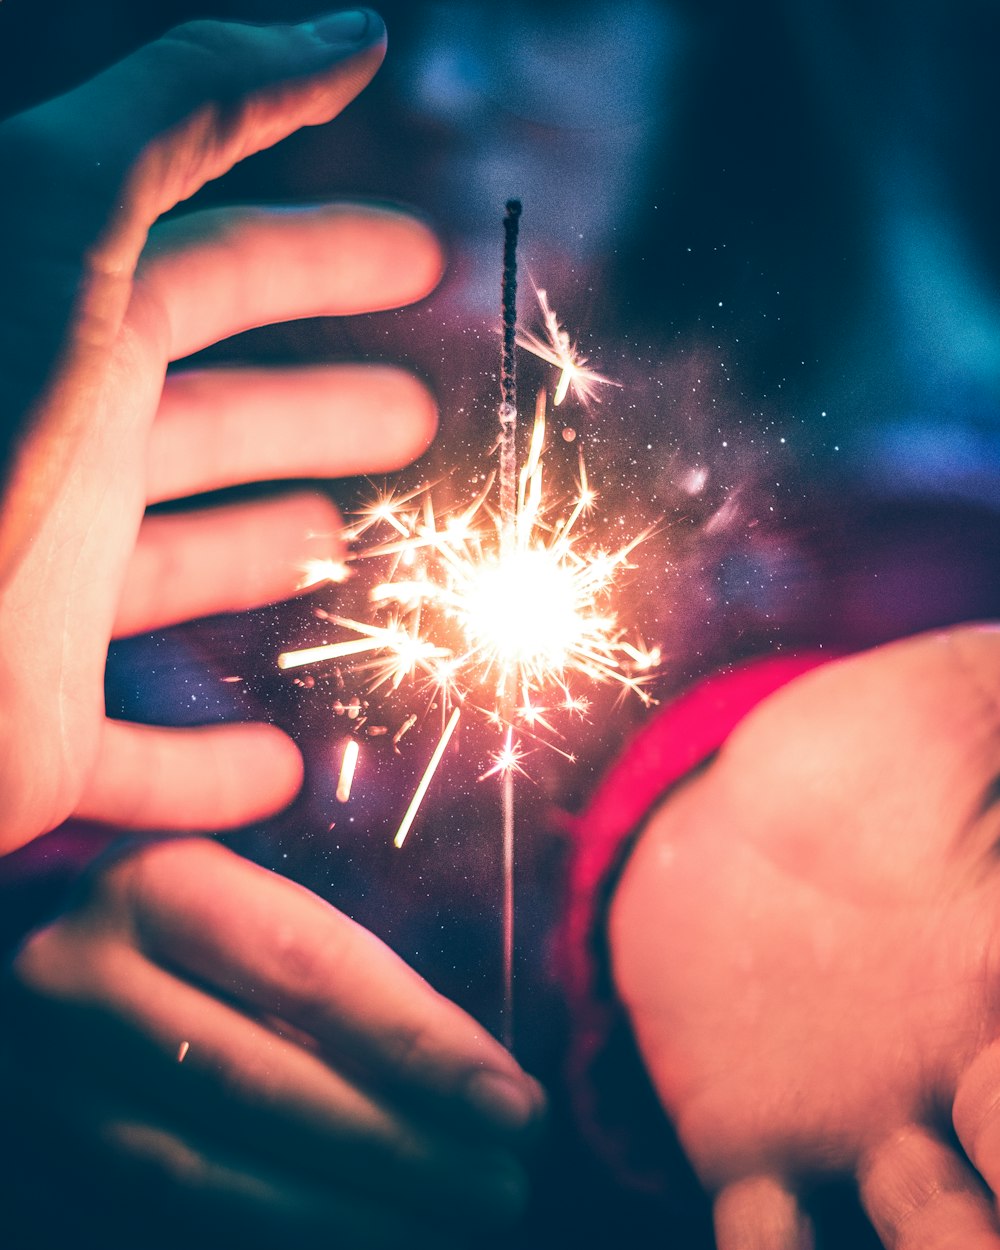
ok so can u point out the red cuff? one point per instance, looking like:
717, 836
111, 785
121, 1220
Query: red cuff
615, 1104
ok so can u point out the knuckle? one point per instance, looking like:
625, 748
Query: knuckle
296, 954
105, 888
303, 974
223, 59
70, 963
203, 41
309, 956
410, 1048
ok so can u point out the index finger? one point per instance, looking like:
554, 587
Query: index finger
278, 949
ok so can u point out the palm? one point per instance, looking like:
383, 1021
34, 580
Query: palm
102, 436
822, 981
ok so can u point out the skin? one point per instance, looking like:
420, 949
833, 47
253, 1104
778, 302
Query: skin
99, 436
806, 941
326, 1094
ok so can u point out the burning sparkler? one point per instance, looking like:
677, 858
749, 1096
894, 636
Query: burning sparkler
501, 609
515, 633
557, 348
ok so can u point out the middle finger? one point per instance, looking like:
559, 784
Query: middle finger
221, 427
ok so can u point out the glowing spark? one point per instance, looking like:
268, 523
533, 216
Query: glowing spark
328, 651
182, 1051
556, 348
467, 610
425, 780
387, 508
576, 704
347, 766
317, 572
644, 657
402, 652
404, 729
507, 760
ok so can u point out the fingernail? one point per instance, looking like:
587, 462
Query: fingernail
509, 1103
354, 27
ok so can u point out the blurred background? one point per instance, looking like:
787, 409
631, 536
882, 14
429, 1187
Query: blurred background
775, 226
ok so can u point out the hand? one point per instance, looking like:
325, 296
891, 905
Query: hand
93, 313
219, 1049
807, 940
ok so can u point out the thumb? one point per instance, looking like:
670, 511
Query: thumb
186, 108
87, 174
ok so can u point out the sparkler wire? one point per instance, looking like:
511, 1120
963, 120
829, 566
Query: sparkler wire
508, 532
508, 377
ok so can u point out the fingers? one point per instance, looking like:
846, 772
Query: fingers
920, 1196
976, 1114
224, 559
219, 1142
222, 427
760, 1213
255, 1206
216, 777
151, 1038
218, 272
146, 1180
314, 968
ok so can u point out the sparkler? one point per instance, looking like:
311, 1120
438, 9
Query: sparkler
508, 539
499, 609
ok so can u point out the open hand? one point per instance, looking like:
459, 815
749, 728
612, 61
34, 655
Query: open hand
806, 939
96, 305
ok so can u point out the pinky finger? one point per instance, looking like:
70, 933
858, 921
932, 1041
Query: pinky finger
760, 1213
187, 780
919, 1195
200, 1188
